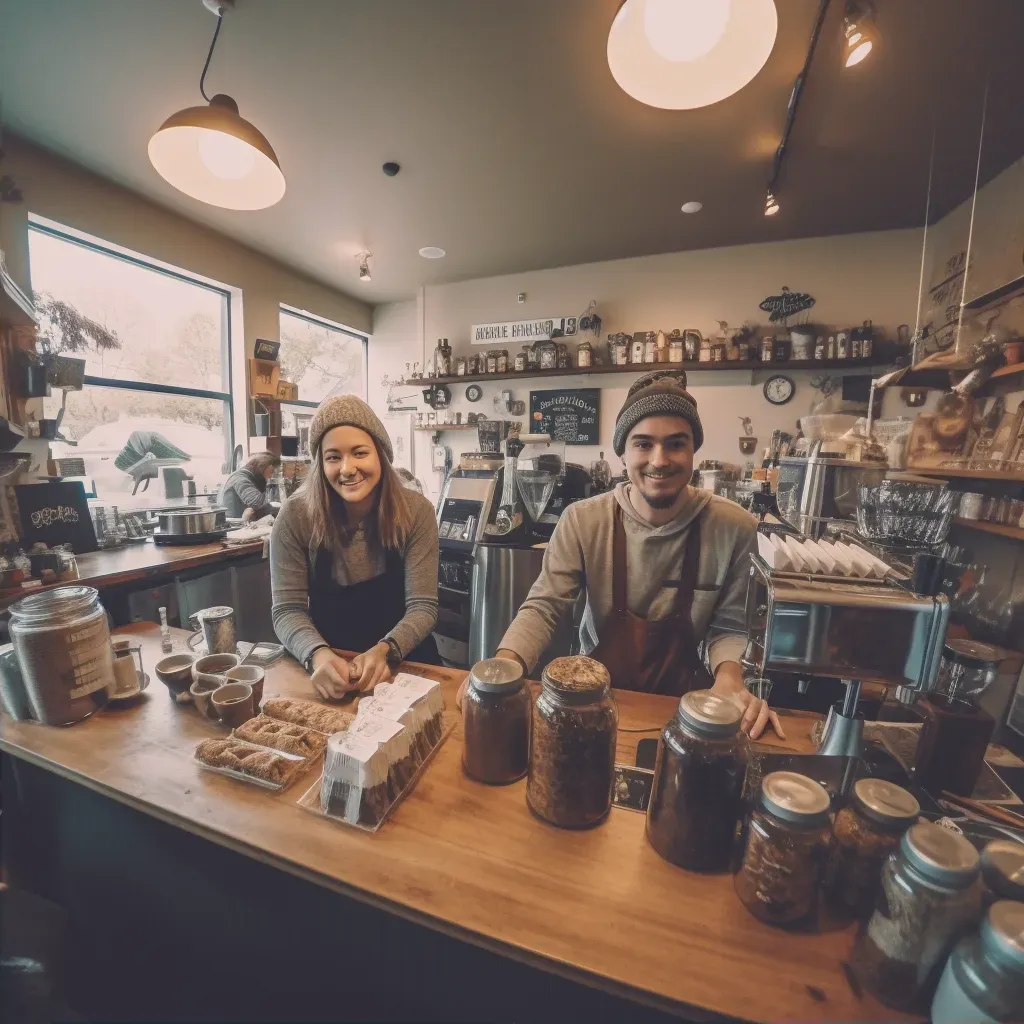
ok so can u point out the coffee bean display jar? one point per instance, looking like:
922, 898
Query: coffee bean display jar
786, 850
695, 801
572, 744
864, 834
929, 897
496, 713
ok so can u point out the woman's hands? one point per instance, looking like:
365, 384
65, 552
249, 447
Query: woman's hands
332, 674
371, 667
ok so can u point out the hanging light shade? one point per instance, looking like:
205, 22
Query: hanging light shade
681, 54
212, 154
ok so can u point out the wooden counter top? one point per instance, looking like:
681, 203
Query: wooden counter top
598, 906
132, 562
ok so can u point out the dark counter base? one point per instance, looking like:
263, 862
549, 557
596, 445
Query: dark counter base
165, 925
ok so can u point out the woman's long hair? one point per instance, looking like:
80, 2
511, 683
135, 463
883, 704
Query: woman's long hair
328, 516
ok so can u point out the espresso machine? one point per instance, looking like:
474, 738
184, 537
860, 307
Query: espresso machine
857, 629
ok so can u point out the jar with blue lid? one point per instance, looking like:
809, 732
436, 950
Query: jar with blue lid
983, 981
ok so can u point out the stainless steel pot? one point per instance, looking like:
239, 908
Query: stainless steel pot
190, 522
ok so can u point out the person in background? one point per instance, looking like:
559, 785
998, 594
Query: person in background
664, 565
353, 557
243, 494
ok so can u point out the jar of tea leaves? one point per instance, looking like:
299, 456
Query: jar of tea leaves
929, 897
1002, 871
695, 801
865, 833
572, 744
786, 849
496, 716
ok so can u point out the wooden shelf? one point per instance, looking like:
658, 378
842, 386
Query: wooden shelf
970, 474
1013, 532
773, 367
438, 427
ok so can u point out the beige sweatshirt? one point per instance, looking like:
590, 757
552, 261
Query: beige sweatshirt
579, 555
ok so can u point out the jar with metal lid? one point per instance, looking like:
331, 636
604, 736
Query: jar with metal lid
496, 715
584, 355
1002, 871
968, 668
929, 896
696, 799
62, 643
786, 849
572, 744
983, 980
864, 834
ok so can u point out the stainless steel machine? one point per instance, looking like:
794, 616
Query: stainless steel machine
818, 483
856, 630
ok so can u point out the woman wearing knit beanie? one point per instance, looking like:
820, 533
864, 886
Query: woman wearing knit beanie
353, 557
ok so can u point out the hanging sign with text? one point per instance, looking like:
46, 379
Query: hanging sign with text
786, 304
572, 416
524, 331
55, 513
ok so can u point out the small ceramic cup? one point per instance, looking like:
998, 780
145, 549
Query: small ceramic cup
212, 668
254, 676
175, 672
202, 691
232, 704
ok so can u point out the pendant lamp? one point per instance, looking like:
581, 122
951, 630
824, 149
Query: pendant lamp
213, 154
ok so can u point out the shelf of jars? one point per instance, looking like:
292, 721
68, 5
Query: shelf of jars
775, 366
999, 529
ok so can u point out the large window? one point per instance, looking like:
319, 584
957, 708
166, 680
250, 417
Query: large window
158, 381
322, 358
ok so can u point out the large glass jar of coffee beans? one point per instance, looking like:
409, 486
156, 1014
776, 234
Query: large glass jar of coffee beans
929, 897
698, 783
496, 714
572, 744
786, 850
864, 834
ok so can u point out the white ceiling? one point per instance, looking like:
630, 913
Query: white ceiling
518, 151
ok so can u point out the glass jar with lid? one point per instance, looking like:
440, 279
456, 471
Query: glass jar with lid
929, 896
983, 980
496, 716
695, 802
62, 644
968, 668
584, 355
1002, 871
572, 744
786, 849
865, 833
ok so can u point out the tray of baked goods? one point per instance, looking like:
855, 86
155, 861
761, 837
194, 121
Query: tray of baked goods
277, 746
376, 762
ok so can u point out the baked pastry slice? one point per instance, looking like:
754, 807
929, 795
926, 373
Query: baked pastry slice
287, 736
248, 760
309, 714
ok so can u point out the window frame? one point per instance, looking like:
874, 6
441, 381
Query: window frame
89, 242
320, 321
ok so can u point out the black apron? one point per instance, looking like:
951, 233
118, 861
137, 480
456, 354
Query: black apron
357, 616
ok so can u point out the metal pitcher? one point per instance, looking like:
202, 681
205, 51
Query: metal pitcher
216, 626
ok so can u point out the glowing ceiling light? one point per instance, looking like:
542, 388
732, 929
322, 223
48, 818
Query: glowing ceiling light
364, 266
213, 154
860, 31
681, 54
771, 204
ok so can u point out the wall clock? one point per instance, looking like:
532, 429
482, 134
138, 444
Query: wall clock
474, 393
779, 389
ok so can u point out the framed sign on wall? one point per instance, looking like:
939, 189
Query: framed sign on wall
572, 415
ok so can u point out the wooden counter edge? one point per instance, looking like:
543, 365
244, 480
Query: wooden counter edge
528, 957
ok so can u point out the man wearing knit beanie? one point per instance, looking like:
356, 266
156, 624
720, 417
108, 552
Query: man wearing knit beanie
663, 564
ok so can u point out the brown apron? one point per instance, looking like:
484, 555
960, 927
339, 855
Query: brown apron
653, 655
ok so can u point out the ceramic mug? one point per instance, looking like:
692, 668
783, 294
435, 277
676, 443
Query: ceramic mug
252, 675
212, 668
201, 692
232, 704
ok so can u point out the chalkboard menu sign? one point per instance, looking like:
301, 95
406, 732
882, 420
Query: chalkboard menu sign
572, 415
55, 513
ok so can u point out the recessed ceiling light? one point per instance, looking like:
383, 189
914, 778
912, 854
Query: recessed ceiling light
681, 54
692, 207
432, 252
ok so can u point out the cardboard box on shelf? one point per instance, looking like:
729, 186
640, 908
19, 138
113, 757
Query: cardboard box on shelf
264, 377
287, 391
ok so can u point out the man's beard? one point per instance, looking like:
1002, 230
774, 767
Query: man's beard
661, 501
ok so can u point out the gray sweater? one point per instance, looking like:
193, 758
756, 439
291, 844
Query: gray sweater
291, 558
579, 556
245, 489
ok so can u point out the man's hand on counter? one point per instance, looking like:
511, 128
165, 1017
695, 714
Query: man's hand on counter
332, 674
756, 713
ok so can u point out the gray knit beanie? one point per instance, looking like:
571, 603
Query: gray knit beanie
348, 411
662, 393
